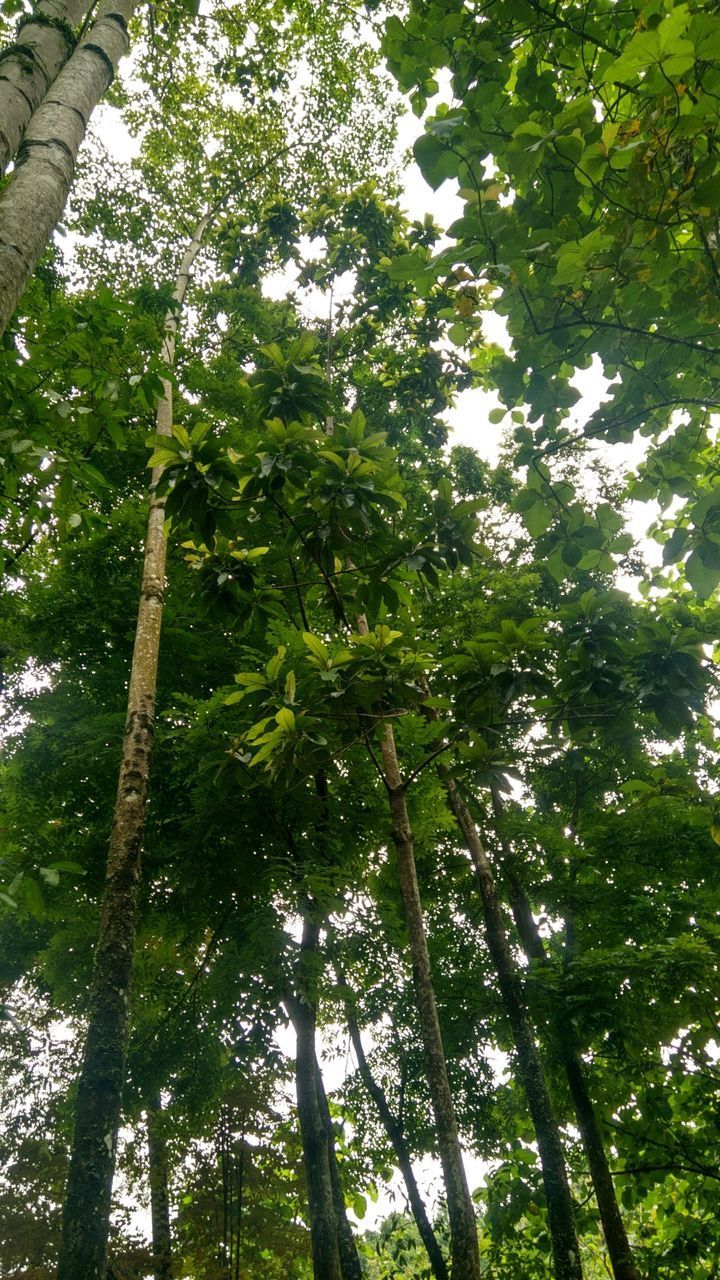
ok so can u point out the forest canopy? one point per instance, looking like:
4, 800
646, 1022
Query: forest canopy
359, 810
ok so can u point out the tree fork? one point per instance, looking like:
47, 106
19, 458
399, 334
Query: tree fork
561, 1217
86, 1210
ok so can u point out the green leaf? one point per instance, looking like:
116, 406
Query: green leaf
557, 565
437, 162
538, 518
274, 666
675, 545
702, 577
163, 458
316, 646
285, 719
251, 679
707, 195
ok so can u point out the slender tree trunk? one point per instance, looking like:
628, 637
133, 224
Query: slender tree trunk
349, 1260
225, 1250
240, 1197
159, 1192
38, 189
561, 1218
86, 1211
463, 1228
396, 1138
618, 1245
45, 40
321, 1202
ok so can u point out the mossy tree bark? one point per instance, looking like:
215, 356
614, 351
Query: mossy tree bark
86, 1211
35, 197
45, 40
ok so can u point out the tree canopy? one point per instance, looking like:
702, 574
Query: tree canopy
358, 792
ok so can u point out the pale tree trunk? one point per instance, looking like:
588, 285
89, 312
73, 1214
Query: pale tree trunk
45, 39
396, 1137
616, 1239
159, 1192
86, 1210
464, 1253
37, 192
561, 1217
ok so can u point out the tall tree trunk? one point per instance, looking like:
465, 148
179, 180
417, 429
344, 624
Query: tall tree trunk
618, 1245
240, 1197
396, 1138
349, 1260
464, 1252
86, 1211
561, 1218
38, 189
45, 39
321, 1202
159, 1192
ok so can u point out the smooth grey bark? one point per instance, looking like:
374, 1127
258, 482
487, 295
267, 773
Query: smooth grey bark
159, 1192
464, 1253
36, 195
86, 1211
618, 1246
45, 40
561, 1217
396, 1137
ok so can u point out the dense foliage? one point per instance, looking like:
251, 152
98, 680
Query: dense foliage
425, 779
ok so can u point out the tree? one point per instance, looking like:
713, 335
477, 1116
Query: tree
33, 201
87, 1203
45, 39
596, 128
367, 631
